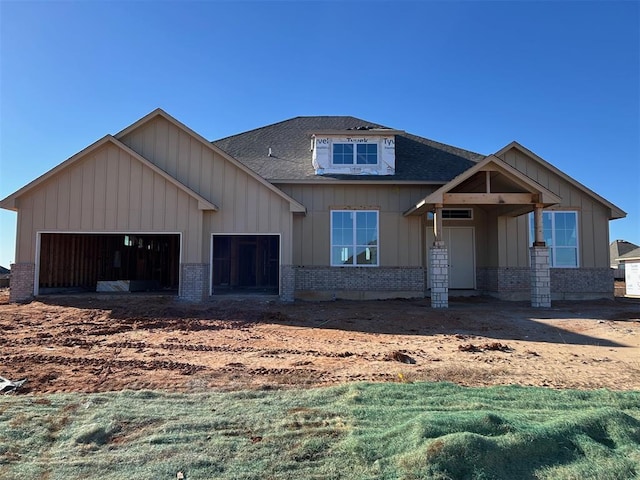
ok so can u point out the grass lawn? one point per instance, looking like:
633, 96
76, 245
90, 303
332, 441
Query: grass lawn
354, 431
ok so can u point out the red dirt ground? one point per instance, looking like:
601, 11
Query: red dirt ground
97, 343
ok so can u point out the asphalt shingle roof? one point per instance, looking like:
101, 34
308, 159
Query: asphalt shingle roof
417, 158
619, 248
635, 253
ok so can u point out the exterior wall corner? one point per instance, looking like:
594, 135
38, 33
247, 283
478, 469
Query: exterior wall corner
194, 282
22, 282
287, 283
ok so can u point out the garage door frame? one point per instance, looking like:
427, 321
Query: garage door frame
39, 233
252, 234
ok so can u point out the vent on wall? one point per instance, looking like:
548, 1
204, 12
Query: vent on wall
454, 214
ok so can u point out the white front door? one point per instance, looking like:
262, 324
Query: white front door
460, 242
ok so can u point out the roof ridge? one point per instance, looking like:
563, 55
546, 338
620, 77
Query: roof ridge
270, 125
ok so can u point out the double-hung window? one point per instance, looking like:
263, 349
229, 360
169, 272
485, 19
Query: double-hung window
354, 237
560, 235
355, 153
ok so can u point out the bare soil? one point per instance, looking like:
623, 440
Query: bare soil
97, 343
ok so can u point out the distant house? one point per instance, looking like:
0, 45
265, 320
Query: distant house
5, 274
617, 248
309, 208
630, 263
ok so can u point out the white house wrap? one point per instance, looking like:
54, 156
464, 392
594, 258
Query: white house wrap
323, 148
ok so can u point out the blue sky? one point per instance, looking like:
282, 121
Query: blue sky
561, 78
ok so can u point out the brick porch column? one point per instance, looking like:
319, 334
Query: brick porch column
439, 275
22, 282
540, 277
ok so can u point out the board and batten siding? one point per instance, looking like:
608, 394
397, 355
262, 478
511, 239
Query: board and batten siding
593, 218
401, 238
108, 191
245, 204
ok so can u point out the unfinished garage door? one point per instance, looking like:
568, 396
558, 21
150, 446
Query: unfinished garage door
246, 263
89, 262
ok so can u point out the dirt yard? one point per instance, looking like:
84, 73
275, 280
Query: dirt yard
103, 343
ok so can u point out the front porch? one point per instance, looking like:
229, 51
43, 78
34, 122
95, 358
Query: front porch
498, 191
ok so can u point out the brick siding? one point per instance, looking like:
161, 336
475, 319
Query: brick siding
573, 282
335, 281
514, 283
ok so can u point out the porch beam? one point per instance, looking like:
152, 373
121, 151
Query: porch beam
489, 198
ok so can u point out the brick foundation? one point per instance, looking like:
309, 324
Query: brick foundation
194, 282
22, 282
326, 283
581, 283
514, 283
439, 276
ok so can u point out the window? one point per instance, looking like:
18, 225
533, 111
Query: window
354, 237
359, 153
560, 235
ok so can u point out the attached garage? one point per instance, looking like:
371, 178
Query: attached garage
85, 262
135, 212
245, 263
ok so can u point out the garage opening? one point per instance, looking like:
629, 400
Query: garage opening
246, 264
74, 262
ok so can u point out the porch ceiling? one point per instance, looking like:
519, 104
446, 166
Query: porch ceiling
491, 184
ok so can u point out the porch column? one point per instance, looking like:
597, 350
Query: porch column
540, 272
439, 264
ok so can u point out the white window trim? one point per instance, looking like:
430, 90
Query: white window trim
355, 163
354, 244
552, 248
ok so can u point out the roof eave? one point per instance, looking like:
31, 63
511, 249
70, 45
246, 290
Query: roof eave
615, 211
10, 203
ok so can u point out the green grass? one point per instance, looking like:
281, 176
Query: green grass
356, 432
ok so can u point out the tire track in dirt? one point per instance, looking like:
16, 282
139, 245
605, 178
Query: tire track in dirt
183, 368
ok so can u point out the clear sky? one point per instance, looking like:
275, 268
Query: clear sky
562, 78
